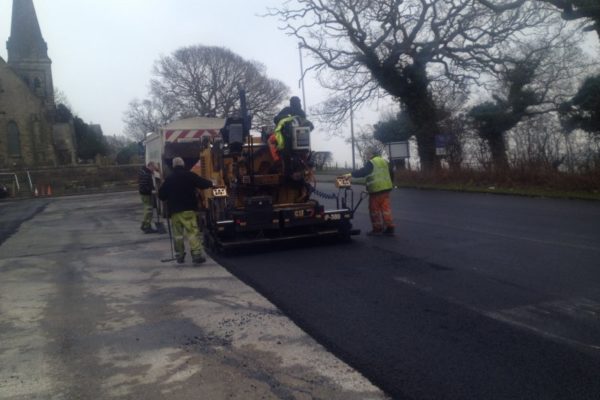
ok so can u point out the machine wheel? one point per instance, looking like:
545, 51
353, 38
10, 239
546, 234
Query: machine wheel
211, 244
344, 231
208, 242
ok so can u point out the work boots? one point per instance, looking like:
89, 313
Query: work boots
389, 231
148, 229
198, 259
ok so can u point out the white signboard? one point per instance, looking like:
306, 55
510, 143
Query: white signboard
398, 150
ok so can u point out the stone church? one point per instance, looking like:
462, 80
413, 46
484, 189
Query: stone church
30, 137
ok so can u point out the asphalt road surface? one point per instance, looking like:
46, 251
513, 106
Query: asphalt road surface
477, 297
89, 311
14, 213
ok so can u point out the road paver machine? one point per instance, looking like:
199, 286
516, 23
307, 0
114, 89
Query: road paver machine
266, 195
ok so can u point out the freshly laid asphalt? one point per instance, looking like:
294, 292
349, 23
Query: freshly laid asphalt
477, 297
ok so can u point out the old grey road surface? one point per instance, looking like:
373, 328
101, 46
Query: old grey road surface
88, 311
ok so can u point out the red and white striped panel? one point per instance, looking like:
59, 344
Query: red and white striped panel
189, 134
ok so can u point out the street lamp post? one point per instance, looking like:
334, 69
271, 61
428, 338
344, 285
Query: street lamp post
352, 132
302, 75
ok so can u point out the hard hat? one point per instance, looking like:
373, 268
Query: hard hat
372, 151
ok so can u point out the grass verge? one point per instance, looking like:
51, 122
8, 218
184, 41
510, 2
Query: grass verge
550, 184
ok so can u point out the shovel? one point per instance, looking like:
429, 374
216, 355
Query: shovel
160, 227
171, 242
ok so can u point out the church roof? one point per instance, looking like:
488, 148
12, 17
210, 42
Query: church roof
26, 41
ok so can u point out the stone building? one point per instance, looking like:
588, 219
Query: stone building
29, 136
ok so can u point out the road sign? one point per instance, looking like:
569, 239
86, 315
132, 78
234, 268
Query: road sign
441, 144
398, 150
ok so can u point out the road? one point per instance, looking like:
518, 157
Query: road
89, 311
14, 213
477, 297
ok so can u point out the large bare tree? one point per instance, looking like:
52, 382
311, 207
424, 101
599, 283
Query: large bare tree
205, 81
587, 11
400, 47
533, 78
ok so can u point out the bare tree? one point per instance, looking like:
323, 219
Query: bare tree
533, 78
146, 116
60, 97
377, 47
538, 145
205, 81
583, 110
364, 141
586, 10
321, 159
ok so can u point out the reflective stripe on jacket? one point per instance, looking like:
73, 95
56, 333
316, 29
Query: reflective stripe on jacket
379, 180
279, 128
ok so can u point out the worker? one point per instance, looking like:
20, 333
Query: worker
280, 141
146, 189
293, 110
179, 191
379, 185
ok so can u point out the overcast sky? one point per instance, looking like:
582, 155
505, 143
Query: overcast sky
103, 51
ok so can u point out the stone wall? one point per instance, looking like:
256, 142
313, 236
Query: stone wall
77, 179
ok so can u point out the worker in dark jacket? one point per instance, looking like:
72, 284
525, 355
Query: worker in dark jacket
146, 187
293, 110
379, 185
179, 191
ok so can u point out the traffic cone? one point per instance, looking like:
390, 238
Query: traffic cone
49, 191
35, 192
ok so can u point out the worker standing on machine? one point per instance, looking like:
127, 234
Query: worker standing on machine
280, 141
179, 191
379, 185
293, 110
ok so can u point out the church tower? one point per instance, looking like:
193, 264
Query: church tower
28, 52
27, 109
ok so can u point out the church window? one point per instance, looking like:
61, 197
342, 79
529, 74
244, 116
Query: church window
14, 140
